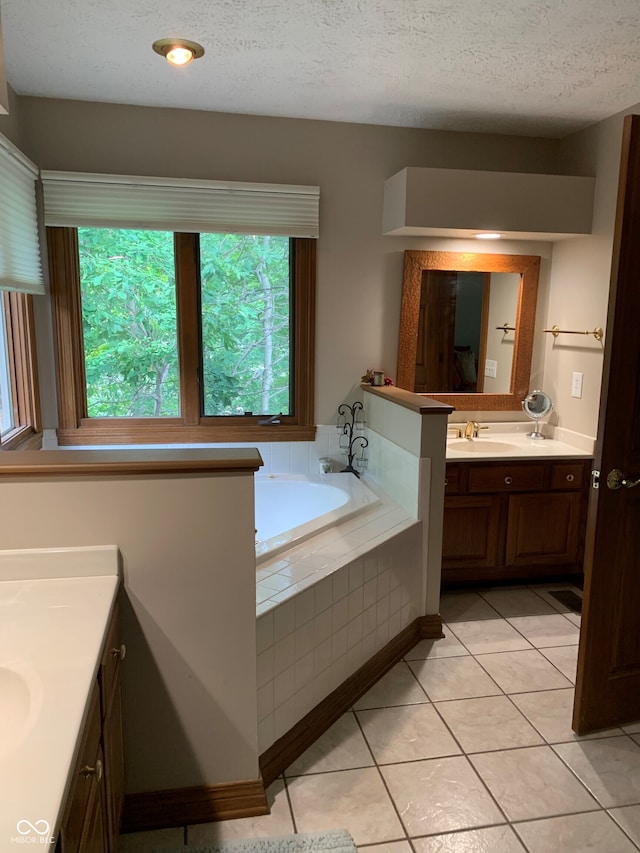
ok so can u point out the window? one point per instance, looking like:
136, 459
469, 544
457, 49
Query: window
164, 337
6, 397
129, 320
19, 410
128, 299
245, 310
20, 276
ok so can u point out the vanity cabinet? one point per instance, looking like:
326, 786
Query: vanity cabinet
93, 810
514, 520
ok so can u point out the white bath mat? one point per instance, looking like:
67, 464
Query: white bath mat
339, 841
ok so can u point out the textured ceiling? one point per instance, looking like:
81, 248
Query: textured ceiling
511, 66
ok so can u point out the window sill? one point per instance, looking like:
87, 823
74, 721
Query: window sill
21, 438
161, 434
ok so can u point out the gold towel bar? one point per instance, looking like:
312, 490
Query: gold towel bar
597, 333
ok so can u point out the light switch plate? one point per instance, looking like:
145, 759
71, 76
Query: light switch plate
576, 384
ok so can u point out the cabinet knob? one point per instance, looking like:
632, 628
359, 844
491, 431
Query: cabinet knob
96, 771
570, 478
446, 482
120, 652
508, 480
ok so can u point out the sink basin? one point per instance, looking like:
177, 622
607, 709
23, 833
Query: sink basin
16, 708
482, 445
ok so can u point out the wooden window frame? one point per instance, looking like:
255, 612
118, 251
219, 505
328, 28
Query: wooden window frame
23, 372
76, 428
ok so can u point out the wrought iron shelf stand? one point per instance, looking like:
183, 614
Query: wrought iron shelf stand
351, 418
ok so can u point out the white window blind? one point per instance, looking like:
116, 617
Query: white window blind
20, 264
75, 199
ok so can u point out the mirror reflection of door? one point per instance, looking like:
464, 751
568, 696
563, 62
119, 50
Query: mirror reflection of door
459, 348
451, 331
436, 331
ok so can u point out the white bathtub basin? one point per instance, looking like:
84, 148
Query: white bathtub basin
292, 507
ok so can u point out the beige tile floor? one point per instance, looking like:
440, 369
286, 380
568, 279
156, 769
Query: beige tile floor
465, 746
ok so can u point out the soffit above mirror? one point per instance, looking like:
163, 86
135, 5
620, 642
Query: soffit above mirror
460, 203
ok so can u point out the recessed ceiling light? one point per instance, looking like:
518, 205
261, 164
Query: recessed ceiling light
178, 51
488, 236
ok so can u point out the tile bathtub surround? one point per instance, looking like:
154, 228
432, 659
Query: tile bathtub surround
310, 643
406, 772
297, 457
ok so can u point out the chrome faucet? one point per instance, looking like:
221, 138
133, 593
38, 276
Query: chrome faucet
274, 419
472, 429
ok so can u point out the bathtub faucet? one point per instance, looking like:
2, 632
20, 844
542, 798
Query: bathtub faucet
274, 419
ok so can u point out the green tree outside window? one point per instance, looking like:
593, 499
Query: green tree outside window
128, 292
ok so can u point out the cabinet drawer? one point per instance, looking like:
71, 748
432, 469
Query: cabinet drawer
567, 475
505, 478
452, 480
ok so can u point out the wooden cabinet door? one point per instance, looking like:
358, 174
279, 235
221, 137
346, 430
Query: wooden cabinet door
113, 743
93, 839
84, 812
471, 532
542, 529
110, 678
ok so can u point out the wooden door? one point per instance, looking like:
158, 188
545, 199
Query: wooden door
608, 682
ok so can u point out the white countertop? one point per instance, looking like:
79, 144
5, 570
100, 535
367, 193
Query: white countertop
54, 611
509, 442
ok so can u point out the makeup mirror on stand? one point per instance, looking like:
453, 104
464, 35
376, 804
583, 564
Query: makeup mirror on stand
537, 405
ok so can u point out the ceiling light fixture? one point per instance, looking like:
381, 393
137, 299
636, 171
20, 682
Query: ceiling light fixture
178, 51
488, 236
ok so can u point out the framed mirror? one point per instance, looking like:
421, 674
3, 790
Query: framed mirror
466, 327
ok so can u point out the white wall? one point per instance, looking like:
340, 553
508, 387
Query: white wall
359, 270
580, 277
188, 614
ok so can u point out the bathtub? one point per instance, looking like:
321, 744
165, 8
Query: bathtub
290, 508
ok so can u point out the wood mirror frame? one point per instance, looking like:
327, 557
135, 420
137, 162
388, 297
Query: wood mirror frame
528, 266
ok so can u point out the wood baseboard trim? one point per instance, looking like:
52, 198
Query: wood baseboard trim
207, 803
430, 627
200, 804
291, 745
